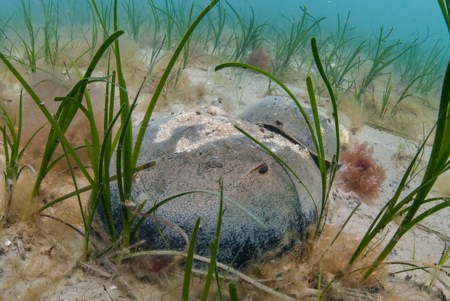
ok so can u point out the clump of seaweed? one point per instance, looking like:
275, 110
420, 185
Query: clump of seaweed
361, 173
259, 58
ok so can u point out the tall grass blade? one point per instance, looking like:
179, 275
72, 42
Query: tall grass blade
438, 163
75, 183
214, 193
248, 35
135, 18
326, 189
233, 292
214, 248
386, 53
189, 262
43, 109
343, 58
101, 184
163, 80
89, 187
217, 25
288, 46
405, 94
65, 114
390, 210
386, 97
315, 131
125, 147
275, 156
30, 47
12, 136
278, 82
445, 8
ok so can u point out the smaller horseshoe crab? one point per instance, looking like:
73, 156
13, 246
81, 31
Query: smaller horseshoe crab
280, 115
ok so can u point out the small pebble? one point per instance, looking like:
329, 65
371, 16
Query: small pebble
8, 243
20, 249
216, 111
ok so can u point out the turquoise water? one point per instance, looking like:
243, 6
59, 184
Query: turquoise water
417, 25
409, 18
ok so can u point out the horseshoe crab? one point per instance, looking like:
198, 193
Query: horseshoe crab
281, 115
264, 203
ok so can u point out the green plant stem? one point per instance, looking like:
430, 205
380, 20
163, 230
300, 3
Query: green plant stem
163, 80
445, 8
384, 56
127, 145
222, 266
189, 262
248, 35
134, 16
233, 292
31, 46
65, 114
343, 58
335, 161
89, 187
438, 163
288, 46
217, 25
214, 248
315, 131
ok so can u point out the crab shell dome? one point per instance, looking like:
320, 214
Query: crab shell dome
263, 201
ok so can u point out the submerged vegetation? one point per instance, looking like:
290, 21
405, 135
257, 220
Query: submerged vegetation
91, 47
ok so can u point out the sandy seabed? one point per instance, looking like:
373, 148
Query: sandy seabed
42, 259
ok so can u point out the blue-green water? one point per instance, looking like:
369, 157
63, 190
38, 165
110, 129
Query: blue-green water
410, 18
415, 28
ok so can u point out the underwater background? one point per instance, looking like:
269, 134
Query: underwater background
382, 53
410, 18
385, 62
